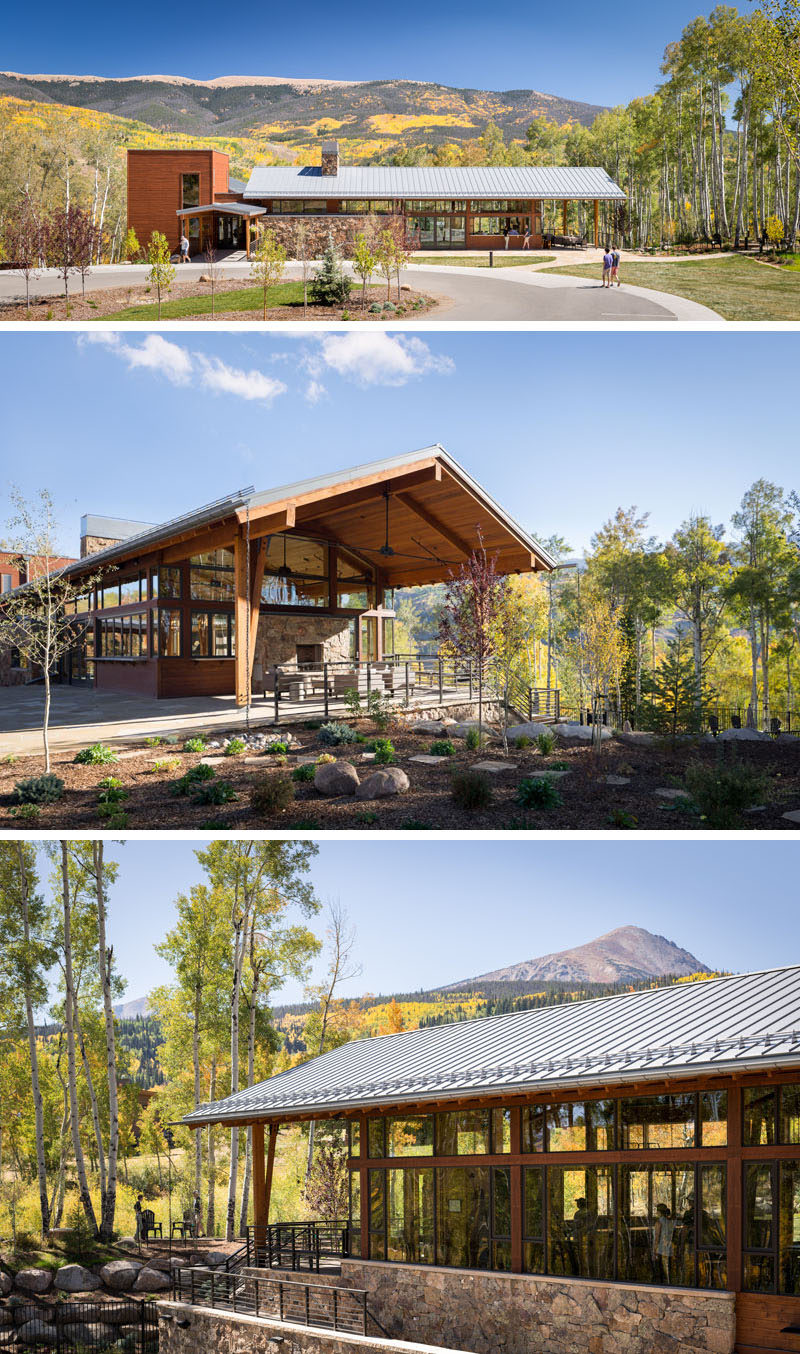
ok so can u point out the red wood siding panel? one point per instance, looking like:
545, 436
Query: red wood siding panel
196, 677
154, 188
138, 676
760, 1318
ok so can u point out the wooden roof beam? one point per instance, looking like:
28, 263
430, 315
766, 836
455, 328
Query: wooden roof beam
354, 491
431, 520
217, 539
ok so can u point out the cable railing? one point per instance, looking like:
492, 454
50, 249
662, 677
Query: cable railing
296, 1245
329, 1306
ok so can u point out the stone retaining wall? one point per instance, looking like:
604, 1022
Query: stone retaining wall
228, 1333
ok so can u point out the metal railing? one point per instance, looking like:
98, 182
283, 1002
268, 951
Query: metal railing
305, 1304
92, 1326
293, 1245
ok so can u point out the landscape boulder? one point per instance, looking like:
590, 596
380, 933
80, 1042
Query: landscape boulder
6, 1284
214, 1258
37, 1332
743, 736
531, 730
336, 778
122, 1313
76, 1279
431, 725
120, 1275
128, 1243
89, 1334
34, 1280
581, 732
150, 1280
389, 780
6, 1316
461, 730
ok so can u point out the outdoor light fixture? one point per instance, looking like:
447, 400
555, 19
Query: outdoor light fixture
183, 1324
386, 549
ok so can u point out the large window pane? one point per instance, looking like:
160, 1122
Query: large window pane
533, 1202
501, 1131
168, 583
410, 1210
108, 596
221, 635
462, 1133
376, 1138
129, 591
790, 1115
412, 1137
355, 1138
759, 1231
713, 1118
211, 576
169, 633
355, 1213
300, 555
712, 1228
462, 1216
580, 1222
533, 1117
377, 1215
789, 1228
657, 1121
656, 1211
576, 1126
759, 1116
200, 627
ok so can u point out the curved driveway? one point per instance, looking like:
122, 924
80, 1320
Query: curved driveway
467, 295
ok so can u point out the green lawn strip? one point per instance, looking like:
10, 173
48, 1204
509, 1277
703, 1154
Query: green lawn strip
244, 298
500, 260
738, 289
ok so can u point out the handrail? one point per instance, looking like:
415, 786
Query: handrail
330, 1306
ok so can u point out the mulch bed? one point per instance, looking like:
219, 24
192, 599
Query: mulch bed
588, 803
101, 304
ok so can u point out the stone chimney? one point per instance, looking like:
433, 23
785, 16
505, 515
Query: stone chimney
329, 164
99, 532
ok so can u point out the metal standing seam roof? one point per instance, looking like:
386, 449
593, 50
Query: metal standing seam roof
231, 208
391, 181
224, 507
748, 1021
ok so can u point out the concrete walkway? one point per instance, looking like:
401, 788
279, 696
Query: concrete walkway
480, 295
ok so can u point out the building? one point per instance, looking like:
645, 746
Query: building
614, 1174
434, 208
15, 667
297, 577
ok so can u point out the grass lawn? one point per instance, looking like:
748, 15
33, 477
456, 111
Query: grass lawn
738, 289
501, 260
243, 298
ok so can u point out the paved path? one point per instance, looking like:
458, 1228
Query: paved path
468, 295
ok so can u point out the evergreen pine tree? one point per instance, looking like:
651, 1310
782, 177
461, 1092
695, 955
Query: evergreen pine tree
671, 695
330, 286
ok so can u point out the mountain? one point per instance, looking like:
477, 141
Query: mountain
627, 954
129, 1010
372, 117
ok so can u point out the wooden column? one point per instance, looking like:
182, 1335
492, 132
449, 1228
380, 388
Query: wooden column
273, 1139
259, 1189
516, 1193
247, 235
364, 1190
258, 558
596, 223
564, 217
734, 1183
245, 611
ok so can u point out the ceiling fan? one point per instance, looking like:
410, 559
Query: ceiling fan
388, 551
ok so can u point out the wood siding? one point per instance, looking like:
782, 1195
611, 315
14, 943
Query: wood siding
137, 675
154, 188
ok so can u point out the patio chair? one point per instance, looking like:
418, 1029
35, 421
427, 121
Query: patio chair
149, 1225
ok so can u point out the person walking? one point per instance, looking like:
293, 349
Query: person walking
184, 249
608, 263
198, 1211
526, 243
505, 236
137, 1210
615, 266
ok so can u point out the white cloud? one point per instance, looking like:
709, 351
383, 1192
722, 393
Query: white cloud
154, 353
315, 391
246, 385
374, 357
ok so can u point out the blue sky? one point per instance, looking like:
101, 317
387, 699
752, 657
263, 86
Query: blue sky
481, 905
562, 428
595, 53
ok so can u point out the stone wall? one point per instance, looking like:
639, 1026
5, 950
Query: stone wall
521, 1313
278, 637
225, 1333
344, 230
91, 544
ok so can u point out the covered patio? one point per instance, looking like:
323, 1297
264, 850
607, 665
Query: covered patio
225, 227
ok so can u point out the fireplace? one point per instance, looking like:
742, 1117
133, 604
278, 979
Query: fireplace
308, 654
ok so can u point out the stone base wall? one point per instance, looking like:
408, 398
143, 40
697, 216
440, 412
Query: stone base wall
523, 1313
278, 637
225, 1333
344, 230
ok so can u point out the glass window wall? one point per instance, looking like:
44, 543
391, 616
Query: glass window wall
211, 577
461, 1133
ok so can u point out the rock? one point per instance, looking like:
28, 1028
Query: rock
544, 774
6, 1284
215, 1258
389, 780
664, 793
494, 768
583, 732
461, 730
120, 1275
37, 1333
430, 725
76, 1279
122, 1313
34, 1280
793, 816
618, 780
151, 1281
627, 727
336, 778
531, 731
128, 1243
162, 1262
636, 738
90, 1335
425, 759
743, 736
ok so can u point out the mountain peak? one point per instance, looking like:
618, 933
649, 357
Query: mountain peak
626, 954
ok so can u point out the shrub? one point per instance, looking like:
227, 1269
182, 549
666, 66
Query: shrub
271, 794
390, 307
304, 772
619, 818
113, 815
471, 790
197, 744
153, 742
384, 751
324, 757
724, 791
214, 792
10, 758
331, 285
522, 742
276, 749
334, 733
165, 764
235, 747
441, 747
536, 792
112, 793
192, 777
96, 755
473, 740
546, 743
559, 766
376, 308
367, 818
44, 789
25, 813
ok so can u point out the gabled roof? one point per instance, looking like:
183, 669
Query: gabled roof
559, 182
745, 1022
